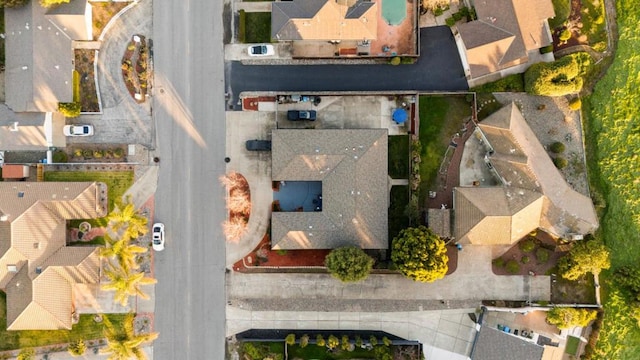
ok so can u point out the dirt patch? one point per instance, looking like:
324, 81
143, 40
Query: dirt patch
84, 65
263, 256
534, 255
102, 12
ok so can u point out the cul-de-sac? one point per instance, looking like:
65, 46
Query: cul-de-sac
319, 179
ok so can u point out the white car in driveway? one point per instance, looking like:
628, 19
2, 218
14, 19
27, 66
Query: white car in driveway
78, 130
261, 50
158, 237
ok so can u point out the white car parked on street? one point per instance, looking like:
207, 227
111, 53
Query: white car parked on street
158, 237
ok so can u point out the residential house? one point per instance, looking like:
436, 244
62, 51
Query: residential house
532, 193
37, 270
324, 20
352, 167
505, 38
39, 53
346, 28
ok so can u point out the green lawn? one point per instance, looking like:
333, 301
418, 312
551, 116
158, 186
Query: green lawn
399, 156
397, 219
440, 118
257, 27
511, 83
86, 329
572, 345
613, 145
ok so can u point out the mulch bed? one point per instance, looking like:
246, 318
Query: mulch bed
575, 16
134, 68
102, 12
84, 65
543, 240
263, 256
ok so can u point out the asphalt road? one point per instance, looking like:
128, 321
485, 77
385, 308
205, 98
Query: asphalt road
438, 69
188, 110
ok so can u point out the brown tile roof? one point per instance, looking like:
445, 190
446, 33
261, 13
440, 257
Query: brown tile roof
323, 20
352, 165
534, 193
33, 242
504, 32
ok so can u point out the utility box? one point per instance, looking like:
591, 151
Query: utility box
13, 171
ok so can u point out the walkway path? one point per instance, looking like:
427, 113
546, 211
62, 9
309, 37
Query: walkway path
472, 282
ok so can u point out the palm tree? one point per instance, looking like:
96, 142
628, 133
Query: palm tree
121, 250
126, 345
125, 283
127, 219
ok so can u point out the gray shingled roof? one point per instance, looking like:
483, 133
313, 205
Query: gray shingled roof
352, 165
504, 32
39, 56
493, 344
532, 185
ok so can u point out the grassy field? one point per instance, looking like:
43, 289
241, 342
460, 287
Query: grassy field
86, 329
399, 156
440, 118
613, 140
257, 27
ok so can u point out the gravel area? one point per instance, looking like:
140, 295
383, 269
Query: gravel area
551, 120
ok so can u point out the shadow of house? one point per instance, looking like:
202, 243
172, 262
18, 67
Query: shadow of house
506, 34
37, 270
533, 194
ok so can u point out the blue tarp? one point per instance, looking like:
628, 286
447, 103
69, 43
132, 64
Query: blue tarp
399, 116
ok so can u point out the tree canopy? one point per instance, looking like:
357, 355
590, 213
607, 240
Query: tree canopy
13, 3
558, 78
49, 3
349, 264
589, 256
567, 317
420, 254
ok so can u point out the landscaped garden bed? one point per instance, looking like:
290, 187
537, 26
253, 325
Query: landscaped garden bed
534, 254
585, 25
134, 68
102, 12
88, 93
325, 345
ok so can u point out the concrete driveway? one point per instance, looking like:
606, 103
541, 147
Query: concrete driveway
123, 120
438, 68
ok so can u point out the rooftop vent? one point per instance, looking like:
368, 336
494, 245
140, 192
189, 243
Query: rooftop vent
12, 268
20, 194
